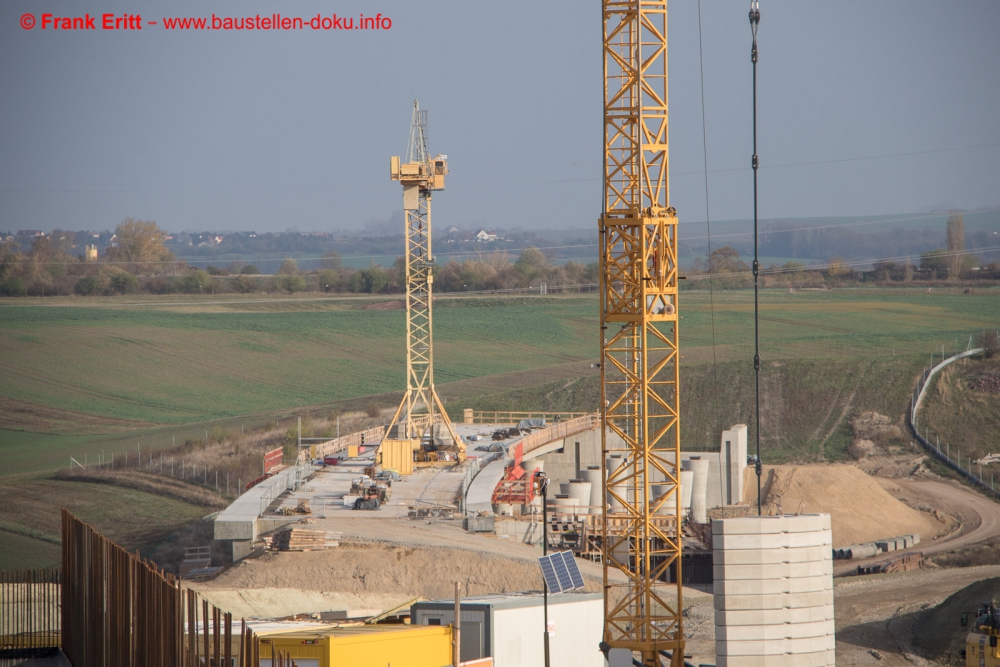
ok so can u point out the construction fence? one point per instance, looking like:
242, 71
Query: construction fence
935, 448
29, 614
118, 610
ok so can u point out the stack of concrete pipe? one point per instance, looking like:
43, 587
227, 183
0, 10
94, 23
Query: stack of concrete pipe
699, 488
774, 591
866, 550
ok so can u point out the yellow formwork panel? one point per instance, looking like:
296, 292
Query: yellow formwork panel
365, 646
352, 451
398, 455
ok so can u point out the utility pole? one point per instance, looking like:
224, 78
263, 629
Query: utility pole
543, 489
457, 627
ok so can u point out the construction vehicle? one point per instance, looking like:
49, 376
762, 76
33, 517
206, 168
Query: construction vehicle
420, 427
981, 646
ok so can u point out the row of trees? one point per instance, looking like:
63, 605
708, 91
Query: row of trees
142, 263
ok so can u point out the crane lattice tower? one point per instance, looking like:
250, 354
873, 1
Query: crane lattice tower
639, 345
421, 408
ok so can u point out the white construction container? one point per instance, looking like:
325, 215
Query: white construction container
510, 628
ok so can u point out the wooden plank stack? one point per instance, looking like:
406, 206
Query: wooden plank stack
301, 539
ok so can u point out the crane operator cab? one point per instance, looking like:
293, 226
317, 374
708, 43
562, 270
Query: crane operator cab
428, 175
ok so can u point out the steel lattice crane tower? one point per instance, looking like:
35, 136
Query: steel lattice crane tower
421, 408
639, 346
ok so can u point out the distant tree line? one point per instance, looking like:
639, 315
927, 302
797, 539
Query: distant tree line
142, 263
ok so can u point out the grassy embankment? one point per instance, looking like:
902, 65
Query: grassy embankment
85, 376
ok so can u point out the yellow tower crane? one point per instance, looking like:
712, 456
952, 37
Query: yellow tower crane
420, 424
639, 345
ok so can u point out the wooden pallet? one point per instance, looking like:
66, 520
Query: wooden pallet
301, 539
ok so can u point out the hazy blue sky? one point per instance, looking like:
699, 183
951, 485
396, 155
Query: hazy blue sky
271, 130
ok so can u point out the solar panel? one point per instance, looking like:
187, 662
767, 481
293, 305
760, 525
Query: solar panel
565, 581
574, 569
549, 573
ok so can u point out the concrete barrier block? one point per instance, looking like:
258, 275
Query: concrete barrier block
818, 659
773, 586
770, 556
819, 538
775, 646
760, 525
769, 632
734, 602
774, 616
776, 571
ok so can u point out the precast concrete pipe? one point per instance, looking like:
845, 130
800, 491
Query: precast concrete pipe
593, 475
699, 487
579, 491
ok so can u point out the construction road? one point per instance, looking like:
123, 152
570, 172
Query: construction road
978, 517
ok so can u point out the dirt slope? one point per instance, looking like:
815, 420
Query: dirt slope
938, 632
428, 572
860, 509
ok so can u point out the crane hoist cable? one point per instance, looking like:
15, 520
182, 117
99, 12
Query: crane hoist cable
708, 222
758, 467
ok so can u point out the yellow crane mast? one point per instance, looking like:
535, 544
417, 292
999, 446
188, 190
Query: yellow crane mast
420, 423
639, 345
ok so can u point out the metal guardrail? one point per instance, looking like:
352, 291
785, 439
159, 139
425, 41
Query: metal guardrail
916, 399
512, 417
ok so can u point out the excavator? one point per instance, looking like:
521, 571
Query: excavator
981, 645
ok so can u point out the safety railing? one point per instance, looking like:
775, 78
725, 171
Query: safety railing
544, 436
371, 436
943, 455
512, 417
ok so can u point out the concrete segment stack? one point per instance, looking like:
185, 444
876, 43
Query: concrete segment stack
774, 591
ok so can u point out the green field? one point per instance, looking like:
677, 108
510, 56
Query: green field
83, 378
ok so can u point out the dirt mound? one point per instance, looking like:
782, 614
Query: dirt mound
860, 449
988, 383
280, 602
872, 426
363, 569
860, 509
938, 633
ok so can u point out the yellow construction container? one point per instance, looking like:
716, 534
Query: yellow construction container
352, 451
363, 646
398, 455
